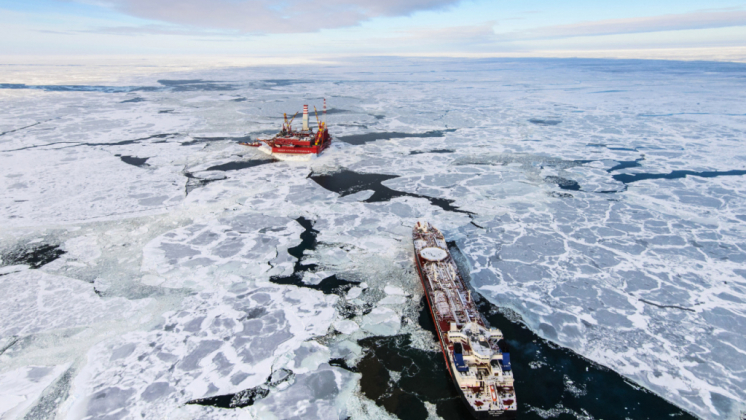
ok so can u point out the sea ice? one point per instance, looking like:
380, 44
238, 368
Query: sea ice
382, 321
597, 200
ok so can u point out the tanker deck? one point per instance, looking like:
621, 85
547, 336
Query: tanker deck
479, 368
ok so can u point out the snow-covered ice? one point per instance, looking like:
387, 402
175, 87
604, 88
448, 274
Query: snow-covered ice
172, 232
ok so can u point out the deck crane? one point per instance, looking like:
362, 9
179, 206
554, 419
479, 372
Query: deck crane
321, 125
287, 123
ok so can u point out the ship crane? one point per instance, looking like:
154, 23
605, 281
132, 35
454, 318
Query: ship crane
321, 125
288, 123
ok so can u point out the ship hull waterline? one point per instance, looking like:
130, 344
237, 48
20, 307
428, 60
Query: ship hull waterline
294, 153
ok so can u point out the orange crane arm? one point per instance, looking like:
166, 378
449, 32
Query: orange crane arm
291, 121
317, 116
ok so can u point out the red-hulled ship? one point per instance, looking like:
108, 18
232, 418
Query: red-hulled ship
289, 144
479, 369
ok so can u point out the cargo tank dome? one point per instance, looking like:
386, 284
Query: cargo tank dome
433, 254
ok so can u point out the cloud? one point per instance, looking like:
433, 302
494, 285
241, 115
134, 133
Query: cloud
677, 22
272, 16
49, 31
479, 34
156, 30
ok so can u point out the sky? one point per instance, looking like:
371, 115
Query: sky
334, 28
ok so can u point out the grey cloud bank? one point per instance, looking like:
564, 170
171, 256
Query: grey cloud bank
263, 16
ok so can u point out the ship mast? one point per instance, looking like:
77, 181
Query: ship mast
305, 117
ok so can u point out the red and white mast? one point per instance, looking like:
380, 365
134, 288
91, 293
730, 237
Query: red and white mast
305, 117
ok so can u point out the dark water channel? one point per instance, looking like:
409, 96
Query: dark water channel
563, 183
133, 100
243, 164
538, 121
194, 182
359, 139
199, 140
624, 164
347, 182
422, 152
134, 160
249, 396
328, 285
629, 178
33, 255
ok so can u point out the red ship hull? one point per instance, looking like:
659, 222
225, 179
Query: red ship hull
300, 149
